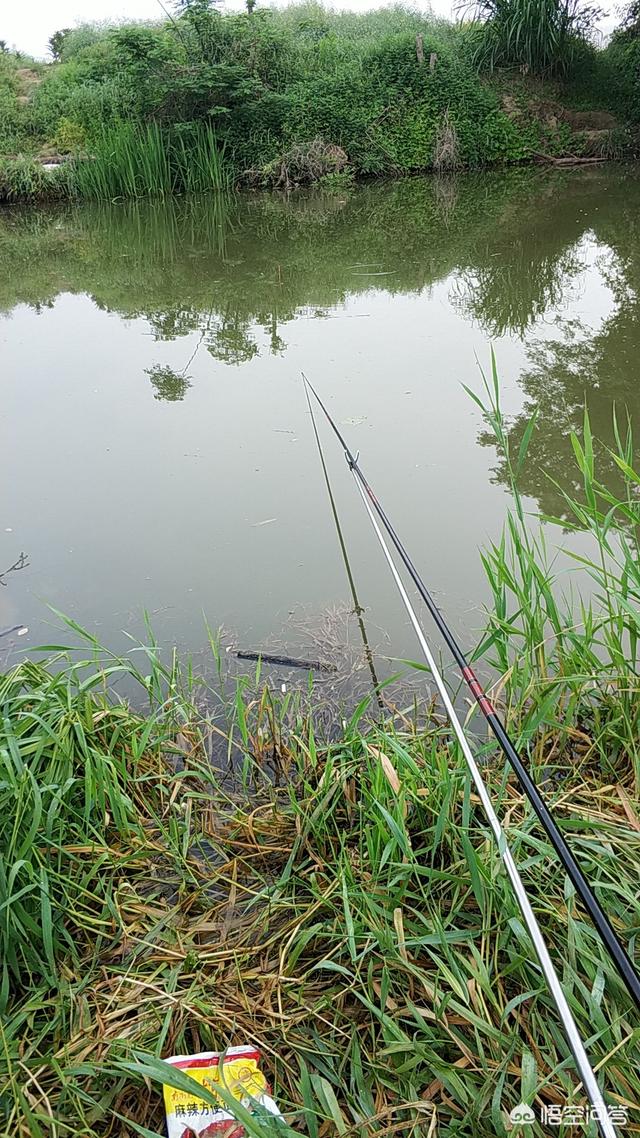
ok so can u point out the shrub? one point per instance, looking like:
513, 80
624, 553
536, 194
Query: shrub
72, 42
10, 120
303, 164
393, 90
623, 59
70, 137
339, 108
23, 179
66, 93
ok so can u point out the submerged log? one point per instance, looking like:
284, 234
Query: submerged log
567, 160
288, 661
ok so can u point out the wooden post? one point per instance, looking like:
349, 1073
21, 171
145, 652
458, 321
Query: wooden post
419, 48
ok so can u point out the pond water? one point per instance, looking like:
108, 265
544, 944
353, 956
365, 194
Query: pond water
157, 450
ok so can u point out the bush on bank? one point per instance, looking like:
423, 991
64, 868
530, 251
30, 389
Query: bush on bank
395, 90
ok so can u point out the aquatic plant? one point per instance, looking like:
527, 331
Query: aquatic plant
573, 665
131, 161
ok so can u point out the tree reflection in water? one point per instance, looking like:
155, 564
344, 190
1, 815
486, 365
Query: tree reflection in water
512, 248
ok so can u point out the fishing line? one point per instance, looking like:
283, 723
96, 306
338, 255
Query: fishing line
615, 949
357, 607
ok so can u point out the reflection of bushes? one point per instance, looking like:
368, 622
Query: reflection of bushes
236, 270
237, 261
510, 296
168, 384
227, 267
578, 366
229, 342
565, 375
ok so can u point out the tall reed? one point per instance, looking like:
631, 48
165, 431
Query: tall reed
564, 628
543, 35
130, 161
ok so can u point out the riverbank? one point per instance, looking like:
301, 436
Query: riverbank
279, 99
340, 905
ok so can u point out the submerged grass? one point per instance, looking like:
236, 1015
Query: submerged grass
349, 916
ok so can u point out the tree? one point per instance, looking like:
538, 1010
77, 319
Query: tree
56, 43
200, 16
196, 7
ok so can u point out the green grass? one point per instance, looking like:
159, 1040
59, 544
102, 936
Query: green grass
350, 917
572, 662
23, 179
546, 36
130, 161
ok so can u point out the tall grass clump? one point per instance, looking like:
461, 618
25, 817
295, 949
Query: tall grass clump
63, 784
23, 179
567, 644
543, 36
129, 161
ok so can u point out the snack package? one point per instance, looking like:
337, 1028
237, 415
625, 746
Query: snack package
190, 1117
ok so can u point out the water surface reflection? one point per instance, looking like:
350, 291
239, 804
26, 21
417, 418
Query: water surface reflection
157, 448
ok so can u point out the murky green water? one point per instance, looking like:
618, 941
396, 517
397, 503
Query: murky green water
157, 452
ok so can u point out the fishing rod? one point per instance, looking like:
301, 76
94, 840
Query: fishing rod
615, 949
574, 1039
